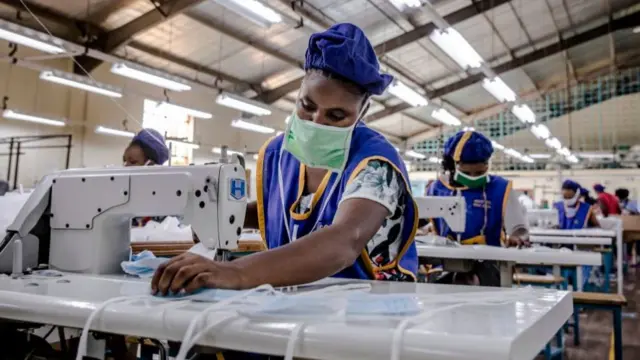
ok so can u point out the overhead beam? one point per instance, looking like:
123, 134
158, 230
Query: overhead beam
416, 34
75, 31
110, 8
112, 40
627, 21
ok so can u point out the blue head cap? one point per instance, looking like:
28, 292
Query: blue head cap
469, 147
598, 188
344, 50
571, 185
583, 191
154, 143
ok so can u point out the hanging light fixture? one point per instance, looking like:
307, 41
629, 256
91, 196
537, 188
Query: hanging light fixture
243, 104
80, 82
150, 76
109, 131
16, 115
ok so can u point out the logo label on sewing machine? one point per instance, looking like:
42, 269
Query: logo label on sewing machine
237, 189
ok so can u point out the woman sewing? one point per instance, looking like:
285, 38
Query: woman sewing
333, 197
573, 213
494, 216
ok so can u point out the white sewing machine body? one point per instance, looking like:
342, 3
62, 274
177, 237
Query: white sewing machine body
543, 218
515, 331
86, 213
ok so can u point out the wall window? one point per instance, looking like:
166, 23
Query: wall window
171, 123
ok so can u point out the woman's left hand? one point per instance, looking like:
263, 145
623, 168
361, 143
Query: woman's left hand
517, 241
189, 272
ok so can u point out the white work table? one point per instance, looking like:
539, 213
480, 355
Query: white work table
507, 257
578, 232
514, 331
570, 240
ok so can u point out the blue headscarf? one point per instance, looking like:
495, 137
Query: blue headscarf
344, 50
572, 185
598, 188
468, 147
153, 145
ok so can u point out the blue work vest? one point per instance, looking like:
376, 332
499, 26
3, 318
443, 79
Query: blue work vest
497, 192
579, 221
366, 145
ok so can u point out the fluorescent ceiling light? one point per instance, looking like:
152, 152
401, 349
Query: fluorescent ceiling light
541, 131
499, 89
527, 159
564, 152
14, 115
512, 153
253, 10
540, 156
184, 143
553, 143
572, 159
255, 156
150, 76
80, 82
636, 30
188, 111
109, 131
29, 38
445, 117
468, 128
245, 125
434, 159
497, 145
415, 155
407, 94
595, 155
243, 104
217, 150
454, 45
402, 4
524, 113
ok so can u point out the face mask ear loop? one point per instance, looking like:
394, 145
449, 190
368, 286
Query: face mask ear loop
84, 337
293, 339
398, 333
189, 339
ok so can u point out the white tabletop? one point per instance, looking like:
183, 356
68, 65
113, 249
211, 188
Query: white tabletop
531, 256
515, 331
570, 240
578, 232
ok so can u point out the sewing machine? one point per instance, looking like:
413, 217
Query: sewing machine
452, 209
79, 220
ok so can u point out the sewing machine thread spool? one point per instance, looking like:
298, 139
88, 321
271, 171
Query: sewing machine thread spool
17, 259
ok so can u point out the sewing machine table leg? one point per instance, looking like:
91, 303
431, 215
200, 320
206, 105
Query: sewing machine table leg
506, 273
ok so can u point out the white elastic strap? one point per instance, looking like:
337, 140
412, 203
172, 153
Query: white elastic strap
84, 337
335, 289
187, 340
292, 341
398, 333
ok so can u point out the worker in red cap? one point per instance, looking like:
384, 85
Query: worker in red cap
608, 202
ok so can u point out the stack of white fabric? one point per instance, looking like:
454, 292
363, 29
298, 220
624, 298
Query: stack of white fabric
168, 230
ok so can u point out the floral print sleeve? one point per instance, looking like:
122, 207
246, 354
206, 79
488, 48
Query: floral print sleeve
381, 183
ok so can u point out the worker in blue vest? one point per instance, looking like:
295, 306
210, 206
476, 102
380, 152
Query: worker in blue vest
494, 215
576, 214
333, 197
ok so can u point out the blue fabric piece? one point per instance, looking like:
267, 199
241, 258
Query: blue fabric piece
153, 140
476, 149
572, 185
143, 264
365, 144
383, 304
344, 50
496, 190
598, 188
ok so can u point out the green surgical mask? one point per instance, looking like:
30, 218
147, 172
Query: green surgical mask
472, 182
317, 146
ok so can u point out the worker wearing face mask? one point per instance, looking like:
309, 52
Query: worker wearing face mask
573, 213
494, 214
146, 148
333, 197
